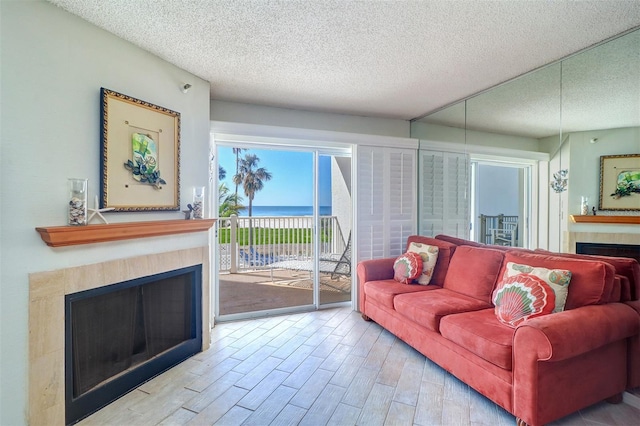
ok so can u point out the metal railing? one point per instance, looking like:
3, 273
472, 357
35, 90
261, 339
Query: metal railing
249, 243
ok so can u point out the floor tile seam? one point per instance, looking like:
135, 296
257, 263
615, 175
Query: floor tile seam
590, 421
316, 399
244, 344
311, 376
252, 369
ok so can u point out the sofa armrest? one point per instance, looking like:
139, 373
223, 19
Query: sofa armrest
375, 269
566, 334
372, 270
553, 352
633, 357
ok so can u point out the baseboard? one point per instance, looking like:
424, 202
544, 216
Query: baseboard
631, 399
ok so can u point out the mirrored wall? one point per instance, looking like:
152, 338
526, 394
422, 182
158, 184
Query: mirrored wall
573, 111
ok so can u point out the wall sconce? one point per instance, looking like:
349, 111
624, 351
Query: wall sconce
185, 87
593, 140
560, 179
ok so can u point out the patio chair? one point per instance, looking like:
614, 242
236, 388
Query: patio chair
341, 263
505, 236
334, 264
253, 258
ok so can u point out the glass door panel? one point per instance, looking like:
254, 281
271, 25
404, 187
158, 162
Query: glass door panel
266, 249
334, 201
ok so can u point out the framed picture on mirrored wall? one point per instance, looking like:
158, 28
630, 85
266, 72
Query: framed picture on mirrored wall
620, 182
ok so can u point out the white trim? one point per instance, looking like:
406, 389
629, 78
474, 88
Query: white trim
240, 132
489, 152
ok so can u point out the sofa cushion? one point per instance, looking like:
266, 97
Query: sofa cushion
458, 241
481, 333
627, 267
522, 296
407, 267
445, 251
427, 308
473, 271
591, 281
382, 292
429, 256
557, 279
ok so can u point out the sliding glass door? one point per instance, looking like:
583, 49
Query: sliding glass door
280, 246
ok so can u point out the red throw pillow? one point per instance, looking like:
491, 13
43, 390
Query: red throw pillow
522, 296
407, 267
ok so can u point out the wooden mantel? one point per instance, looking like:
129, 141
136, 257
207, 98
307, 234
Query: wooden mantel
618, 220
57, 236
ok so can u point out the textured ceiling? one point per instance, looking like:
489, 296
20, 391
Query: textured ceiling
395, 59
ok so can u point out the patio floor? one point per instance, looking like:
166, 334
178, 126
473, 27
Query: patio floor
255, 291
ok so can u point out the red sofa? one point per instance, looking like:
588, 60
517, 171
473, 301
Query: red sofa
545, 368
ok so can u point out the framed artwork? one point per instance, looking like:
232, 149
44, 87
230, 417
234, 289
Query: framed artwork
620, 182
139, 154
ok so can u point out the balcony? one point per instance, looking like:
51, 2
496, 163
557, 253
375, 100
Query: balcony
266, 262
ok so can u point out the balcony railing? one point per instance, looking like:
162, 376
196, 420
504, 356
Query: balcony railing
250, 243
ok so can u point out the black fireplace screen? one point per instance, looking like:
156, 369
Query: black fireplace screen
617, 250
145, 325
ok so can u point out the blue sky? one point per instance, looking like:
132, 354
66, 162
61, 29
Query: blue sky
292, 180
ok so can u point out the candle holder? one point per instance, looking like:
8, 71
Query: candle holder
584, 206
198, 202
77, 201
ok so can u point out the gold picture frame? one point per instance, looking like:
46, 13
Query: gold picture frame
620, 182
139, 155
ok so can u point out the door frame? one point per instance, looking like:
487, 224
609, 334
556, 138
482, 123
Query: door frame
316, 148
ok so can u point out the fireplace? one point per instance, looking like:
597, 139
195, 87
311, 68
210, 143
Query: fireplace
47, 305
121, 335
602, 249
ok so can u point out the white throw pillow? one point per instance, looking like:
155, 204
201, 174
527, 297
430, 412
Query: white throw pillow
429, 255
558, 279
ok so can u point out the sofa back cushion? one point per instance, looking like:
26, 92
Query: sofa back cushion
445, 251
473, 271
627, 267
458, 241
591, 281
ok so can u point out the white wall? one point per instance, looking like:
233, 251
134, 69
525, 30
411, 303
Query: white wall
558, 205
341, 199
53, 65
584, 172
263, 115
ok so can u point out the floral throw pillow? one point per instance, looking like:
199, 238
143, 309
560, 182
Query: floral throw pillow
429, 256
407, 267
522, 296
558, 279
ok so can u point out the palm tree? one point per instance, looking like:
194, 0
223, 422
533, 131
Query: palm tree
237, 152
228, 203
251, 177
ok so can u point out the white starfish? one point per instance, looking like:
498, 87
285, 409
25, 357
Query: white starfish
97, 211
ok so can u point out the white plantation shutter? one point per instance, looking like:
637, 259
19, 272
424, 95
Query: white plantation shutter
444, 194
403, 200
370, 203
386, 200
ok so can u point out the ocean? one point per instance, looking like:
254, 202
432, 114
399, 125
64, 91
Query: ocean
285, 211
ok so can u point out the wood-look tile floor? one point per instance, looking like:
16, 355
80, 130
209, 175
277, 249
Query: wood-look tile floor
317, 368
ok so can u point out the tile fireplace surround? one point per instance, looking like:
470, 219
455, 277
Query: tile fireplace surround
46, 318
598, 237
